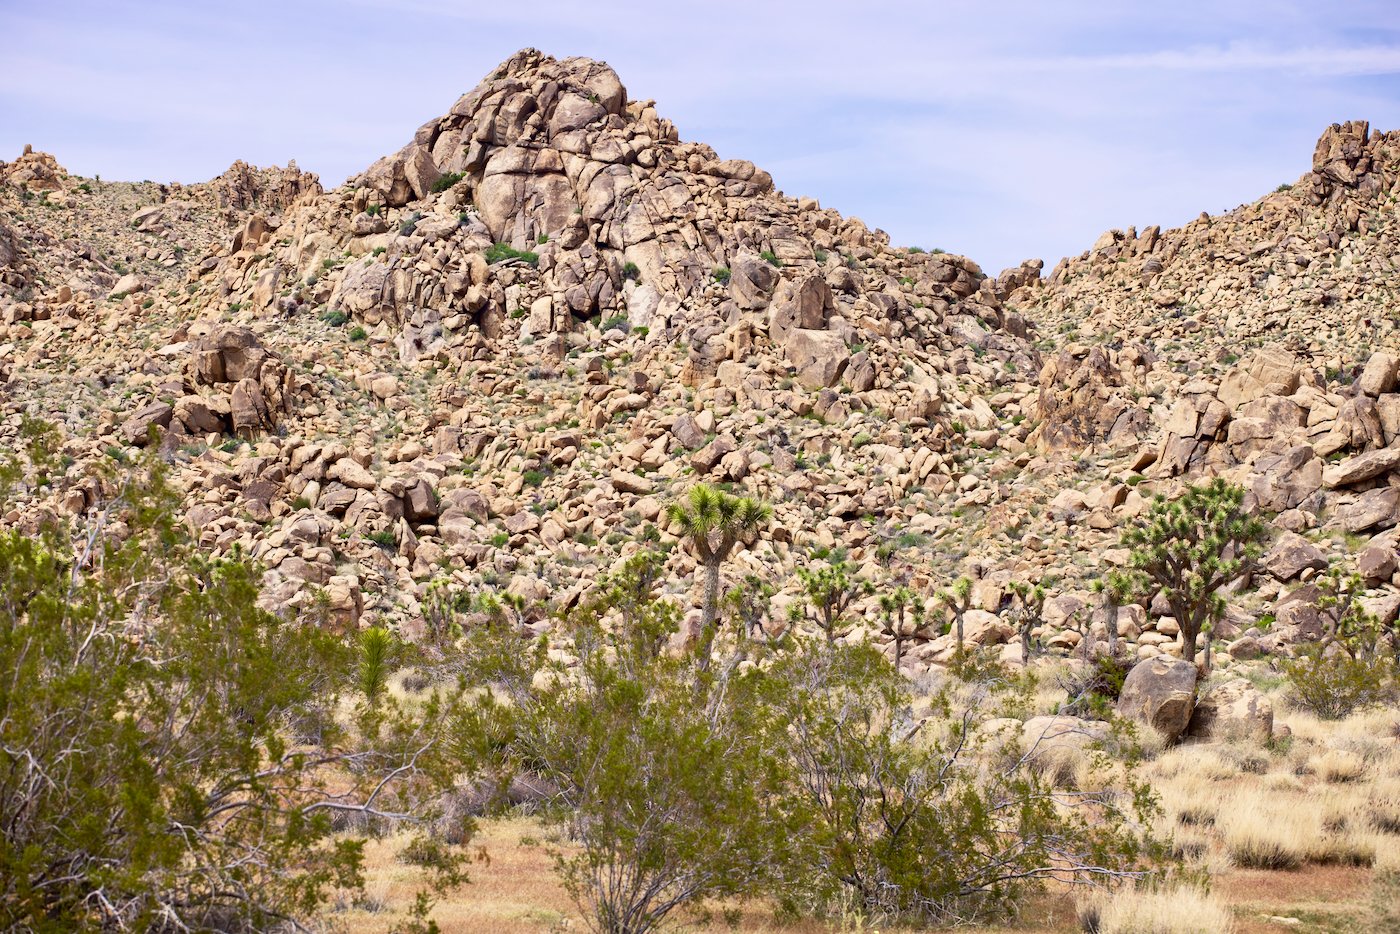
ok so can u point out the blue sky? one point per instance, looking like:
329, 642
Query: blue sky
1002, 130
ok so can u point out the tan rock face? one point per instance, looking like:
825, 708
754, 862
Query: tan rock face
1233, 710
1160, 692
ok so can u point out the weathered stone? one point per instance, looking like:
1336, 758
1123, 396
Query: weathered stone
1160, 692
1233, 710
1291, 554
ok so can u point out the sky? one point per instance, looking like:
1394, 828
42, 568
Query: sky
1000, 129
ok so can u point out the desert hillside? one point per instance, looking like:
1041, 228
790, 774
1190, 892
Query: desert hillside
485, 372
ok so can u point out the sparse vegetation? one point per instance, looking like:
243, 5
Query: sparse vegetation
500, 252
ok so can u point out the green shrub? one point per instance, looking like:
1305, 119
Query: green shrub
533, 477
500, 252
447, 181
630, 271
619, 322
384, 538
374, 210
358, 333
721, 274
149, 778
771, 258
410, 224
1332, 684
334, 318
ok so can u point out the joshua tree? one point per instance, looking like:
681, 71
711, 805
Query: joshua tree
1191, 547
958, 599
750, 602
1113, 591
831, 590
714, 522
895, 606
1030, 604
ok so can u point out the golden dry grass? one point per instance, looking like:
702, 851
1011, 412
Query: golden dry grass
1177, 909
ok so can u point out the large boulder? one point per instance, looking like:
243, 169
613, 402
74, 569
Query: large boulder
1291, 555
818, 356
1360, 468
1376, 508
1160, 692
804, 304
1268, 373
1378, 376
751, 281
1233, 710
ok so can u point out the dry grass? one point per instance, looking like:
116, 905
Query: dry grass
1383, 805
1338, 765
1257, 835
1180, 909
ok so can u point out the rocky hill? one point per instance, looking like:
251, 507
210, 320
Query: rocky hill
488, 361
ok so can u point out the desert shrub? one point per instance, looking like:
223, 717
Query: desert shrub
662, 780
447, 181
1334, 684
1093, 688
721, 274
804, 779
149, 778
410, 224
500, 252
923, 830
771, 258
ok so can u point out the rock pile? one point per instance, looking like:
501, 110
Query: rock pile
488, 362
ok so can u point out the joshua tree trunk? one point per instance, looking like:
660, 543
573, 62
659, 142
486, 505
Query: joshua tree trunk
1110, 622
709, 612
959, 618
1189, 634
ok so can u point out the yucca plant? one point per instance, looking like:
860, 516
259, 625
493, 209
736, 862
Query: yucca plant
713, 522
1191, 547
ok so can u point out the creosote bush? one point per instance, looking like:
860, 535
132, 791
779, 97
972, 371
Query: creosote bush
173, 757
801, 776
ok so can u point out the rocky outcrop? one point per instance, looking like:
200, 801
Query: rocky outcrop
251, 388
243, 188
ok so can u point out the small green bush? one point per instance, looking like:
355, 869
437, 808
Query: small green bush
383, 538
533, 477
447, 181
500, 252
771, 258
334, 318
358, 333
1333, 685
410, 223
721, 274
619, 322
630, 271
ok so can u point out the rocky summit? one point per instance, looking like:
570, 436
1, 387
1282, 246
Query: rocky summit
488, 363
